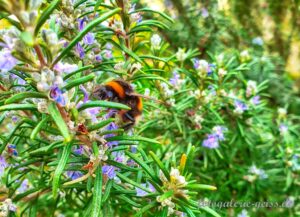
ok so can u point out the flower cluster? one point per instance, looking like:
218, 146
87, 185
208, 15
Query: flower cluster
255, 173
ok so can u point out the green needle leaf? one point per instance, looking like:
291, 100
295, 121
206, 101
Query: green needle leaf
97, 193
45, 15
20, 96
17, 107
59, 121
200, 187
132, 138
105, 104
160, 164
78, 81
60, 168
146, 168
38, 127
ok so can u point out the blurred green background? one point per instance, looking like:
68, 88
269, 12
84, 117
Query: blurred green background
268, 29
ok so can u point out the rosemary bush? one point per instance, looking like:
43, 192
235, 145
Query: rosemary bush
207, 132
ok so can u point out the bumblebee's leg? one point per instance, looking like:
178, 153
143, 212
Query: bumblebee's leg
129, 117
129, 124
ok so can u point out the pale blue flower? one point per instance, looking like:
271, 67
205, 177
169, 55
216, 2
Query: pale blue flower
57, 95
119, 156
65, 67
3, 165
74, 174
23, 187
283, 129
258, 41
255, 100
211, 141
204, 13
7, 61
81, 24
244, 213
108, 54
98, 58
79, 150
296, 163
219, 132
109, 171
175, 79
111, 126
89, 38
80, 51
142, 193
240, 107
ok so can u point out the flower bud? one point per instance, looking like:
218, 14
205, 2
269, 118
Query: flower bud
155, 41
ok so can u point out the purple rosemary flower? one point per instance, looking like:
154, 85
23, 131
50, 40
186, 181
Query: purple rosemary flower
65, 67
85, 93
7, 61
65, 44
93, 112
74, 174
108, 46
142, 193
108, 54
133, 148
131, 163
81, 23
135, 16
9, 205
210, 68
19, 80
196, 63
255, 100
111, 113
203, 67
219, 132
23, 187
98, 58
111, 126
240, 107
132, 8
204, 13
109, 171
90, 112
3, 165
15, 118
89, 38
119, 156
57, 95
79, 150
80, 51
283, 129
175, 79
211, 141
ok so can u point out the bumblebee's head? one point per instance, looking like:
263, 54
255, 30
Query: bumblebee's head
103, 93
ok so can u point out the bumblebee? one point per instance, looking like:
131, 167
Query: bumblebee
122, 92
